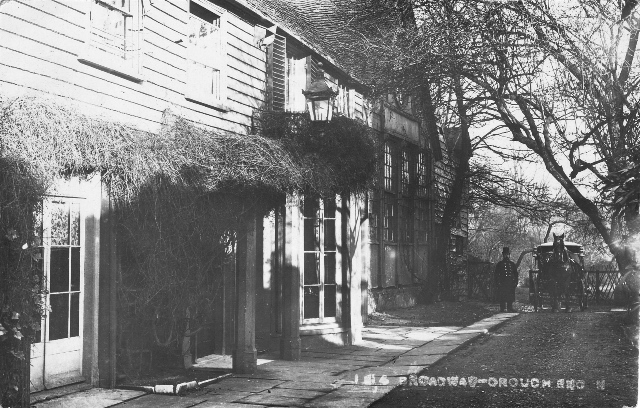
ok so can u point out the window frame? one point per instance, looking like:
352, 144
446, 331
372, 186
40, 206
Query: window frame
320, 217
90, 55
296, 72
390, 191
46, 245
220, 62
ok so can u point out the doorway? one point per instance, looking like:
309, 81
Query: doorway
56, 355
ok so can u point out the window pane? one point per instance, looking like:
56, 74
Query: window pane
75, 315
390, 218
330, 301
311, 235
311, 302
311, 268
406, 220
59, 270
311, 207
75, 269
330, 208
406, 174
75, 224
422, 217
374, 211
59, 316
203, 79
108, 30
59, 223
203, 31
389, 168
330, 235
330, 267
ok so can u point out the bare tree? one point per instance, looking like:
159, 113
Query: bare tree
558, 79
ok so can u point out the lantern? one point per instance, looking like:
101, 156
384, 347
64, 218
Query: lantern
320, 99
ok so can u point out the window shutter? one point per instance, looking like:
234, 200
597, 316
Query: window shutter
277, 72
314, 71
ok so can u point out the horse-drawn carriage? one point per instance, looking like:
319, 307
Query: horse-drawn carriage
558, 275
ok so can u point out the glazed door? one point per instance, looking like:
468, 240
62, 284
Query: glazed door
56, 357
322, 265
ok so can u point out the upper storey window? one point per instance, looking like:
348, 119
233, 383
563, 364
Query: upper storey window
206, 54
114, 36
296, 82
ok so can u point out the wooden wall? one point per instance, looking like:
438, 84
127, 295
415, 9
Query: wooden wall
40, 42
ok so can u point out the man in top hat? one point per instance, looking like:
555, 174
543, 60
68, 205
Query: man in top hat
506, 276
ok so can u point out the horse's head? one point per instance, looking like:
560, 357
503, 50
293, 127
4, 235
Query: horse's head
558, 247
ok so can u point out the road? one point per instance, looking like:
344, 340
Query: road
580, 359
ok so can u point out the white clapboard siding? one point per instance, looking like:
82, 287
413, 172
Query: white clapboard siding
179, 5
10, 24
40, 41
93, 107
70, 11
168, 15
32, 13
178, 76
171, 53
240, 54
250, 91
177, 40
242, 66
245, 41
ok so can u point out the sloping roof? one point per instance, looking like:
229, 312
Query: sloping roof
318, 24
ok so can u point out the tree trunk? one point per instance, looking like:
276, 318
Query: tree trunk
455, 200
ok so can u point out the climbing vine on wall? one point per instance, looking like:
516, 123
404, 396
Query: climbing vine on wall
179, 195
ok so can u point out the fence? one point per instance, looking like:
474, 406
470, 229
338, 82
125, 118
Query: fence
602, 283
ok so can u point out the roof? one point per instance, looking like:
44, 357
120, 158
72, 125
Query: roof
317, 24
549, 245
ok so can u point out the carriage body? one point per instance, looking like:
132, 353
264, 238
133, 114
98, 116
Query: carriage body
540, 275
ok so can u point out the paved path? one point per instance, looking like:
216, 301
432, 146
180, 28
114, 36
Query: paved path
351, 376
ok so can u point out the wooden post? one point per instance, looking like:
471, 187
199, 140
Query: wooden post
290, 341
107, 305
350, 252
244, 353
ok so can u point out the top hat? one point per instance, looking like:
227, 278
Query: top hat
505, 250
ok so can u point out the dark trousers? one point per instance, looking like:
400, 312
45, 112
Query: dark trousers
506, 306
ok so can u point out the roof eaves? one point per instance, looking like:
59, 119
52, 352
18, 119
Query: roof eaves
255, 8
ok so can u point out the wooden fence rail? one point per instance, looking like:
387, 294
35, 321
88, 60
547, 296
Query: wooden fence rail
600, 283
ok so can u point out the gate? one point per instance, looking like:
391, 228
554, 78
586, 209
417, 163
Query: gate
601, 283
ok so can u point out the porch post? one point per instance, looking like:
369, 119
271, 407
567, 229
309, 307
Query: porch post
244, 353
351, 215
290, 341
107, 293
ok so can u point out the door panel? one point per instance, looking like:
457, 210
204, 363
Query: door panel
321, 277
56, 359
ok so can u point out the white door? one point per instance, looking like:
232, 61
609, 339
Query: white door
56, 357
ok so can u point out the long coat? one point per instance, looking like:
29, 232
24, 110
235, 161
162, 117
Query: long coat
506, 276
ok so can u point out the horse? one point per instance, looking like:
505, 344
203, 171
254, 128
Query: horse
559, 273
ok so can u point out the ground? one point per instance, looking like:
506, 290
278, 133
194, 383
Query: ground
589, 350
435, 314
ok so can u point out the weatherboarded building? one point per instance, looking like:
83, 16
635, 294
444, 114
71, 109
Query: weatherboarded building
304, 275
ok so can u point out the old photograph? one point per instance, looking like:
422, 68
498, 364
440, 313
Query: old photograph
319, 203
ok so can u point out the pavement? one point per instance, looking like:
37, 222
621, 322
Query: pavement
349, 376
